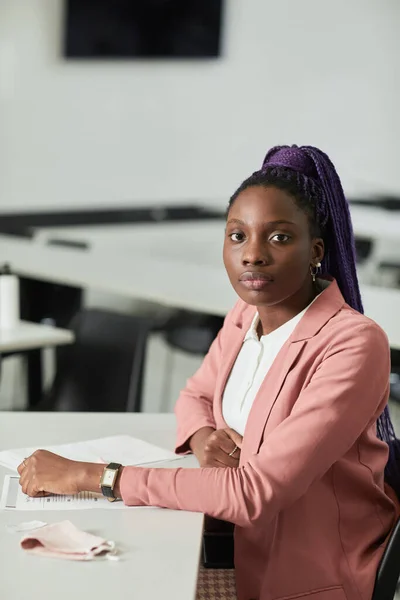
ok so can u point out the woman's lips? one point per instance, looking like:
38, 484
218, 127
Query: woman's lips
254, 280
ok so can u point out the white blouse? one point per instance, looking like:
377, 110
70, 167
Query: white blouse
250, 368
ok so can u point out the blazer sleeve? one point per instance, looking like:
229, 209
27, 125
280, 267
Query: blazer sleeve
194, 407
346, 394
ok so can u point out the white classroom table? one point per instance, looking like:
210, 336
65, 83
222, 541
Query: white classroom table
197, 242
177, 283
182, 282
31, 336
368, 222
160, 549
166, 238
376, 223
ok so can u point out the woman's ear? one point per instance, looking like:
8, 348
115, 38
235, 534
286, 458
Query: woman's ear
318, 250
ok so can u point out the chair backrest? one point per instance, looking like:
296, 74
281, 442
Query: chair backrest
192, 332
389, 568
103, 369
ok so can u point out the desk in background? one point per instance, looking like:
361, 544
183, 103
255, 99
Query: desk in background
25, 224
160, 549
370, 218
200, 241
31, 339
376, 229
33, 336
374, 222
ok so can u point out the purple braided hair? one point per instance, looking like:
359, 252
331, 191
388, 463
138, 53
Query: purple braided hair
310, 177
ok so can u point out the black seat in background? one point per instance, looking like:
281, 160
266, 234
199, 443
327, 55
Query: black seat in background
389, 568
103, 370
363, 249
192, 332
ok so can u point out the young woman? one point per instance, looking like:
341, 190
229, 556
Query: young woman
288, 412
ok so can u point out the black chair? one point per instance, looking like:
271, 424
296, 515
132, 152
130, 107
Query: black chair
217, 550
189, 332
192, 332
389, 568
363, 248
103, 370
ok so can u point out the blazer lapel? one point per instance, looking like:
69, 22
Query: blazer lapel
268, 394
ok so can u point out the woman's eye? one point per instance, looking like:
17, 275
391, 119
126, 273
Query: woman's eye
236, 237
280, 237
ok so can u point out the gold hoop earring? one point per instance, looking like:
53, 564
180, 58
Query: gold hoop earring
314, 270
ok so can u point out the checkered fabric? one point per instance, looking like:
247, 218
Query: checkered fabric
216, 584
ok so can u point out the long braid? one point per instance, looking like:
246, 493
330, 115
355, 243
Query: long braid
340, 261
310, 177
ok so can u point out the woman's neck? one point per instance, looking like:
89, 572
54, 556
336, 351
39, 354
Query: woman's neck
272, 317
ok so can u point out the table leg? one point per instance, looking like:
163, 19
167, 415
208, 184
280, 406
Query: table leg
35, 377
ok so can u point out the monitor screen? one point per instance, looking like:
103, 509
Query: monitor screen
109, 29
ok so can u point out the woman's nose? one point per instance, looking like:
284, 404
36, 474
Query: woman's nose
255, 254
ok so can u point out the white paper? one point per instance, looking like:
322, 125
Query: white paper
122, 449
13, 498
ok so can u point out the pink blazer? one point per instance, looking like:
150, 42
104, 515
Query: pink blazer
311, 509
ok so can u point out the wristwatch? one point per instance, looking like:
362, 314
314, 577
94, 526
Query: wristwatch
108, 480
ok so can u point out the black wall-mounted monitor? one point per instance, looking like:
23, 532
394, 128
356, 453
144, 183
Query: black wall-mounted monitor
131, 29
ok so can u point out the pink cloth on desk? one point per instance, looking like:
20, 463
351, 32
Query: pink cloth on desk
64, 540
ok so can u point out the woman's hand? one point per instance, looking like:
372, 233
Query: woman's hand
221, 449
45, 473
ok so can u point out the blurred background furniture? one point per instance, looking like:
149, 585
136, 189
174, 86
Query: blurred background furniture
29, 340
32, 336
103, 370
192, 332
189, 332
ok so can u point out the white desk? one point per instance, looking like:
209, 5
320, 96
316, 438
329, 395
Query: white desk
369, 222
375, 223
179, 283
197, 242
168, 238
160, 548
383, 306
30, 336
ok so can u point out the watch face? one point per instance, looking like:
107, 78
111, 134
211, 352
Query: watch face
108, 477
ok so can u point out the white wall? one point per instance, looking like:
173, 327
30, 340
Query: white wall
309, 71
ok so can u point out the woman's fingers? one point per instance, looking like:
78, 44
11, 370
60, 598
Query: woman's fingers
224, 441
220, 450
233, 435
218, 457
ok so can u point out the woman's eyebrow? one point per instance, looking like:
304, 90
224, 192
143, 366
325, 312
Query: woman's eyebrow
268, 223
